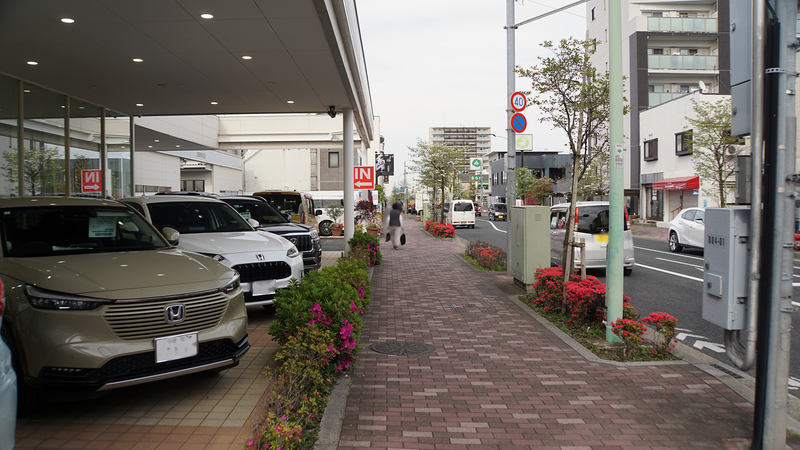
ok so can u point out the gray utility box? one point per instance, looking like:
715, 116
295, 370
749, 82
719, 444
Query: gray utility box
726, 258
530, 245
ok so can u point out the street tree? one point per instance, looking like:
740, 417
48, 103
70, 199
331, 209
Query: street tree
595, 181
709, 142
573, 97
531, 188
40, 164
437, 165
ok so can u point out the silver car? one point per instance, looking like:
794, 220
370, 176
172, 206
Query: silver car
687, 229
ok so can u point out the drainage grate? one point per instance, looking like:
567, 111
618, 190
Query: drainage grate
727, 371
402, 348
477, 305
488, 290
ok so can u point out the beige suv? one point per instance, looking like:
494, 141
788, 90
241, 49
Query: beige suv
97, 299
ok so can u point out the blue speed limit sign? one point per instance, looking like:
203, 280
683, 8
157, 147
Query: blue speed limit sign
518, 101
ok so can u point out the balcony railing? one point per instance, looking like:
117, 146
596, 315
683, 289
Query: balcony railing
682, 24
682, 62
657, 98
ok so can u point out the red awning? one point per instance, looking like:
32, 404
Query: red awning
676, 184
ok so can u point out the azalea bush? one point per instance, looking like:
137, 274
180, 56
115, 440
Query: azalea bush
318, 322
365, 246
486, 256
665, 326
630, 331
796, 242
440, 229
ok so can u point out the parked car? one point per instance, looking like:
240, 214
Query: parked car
97, 299
592, 226
687, 229
8, 388
304, 237
298, 205
498, 211
477, 208
265, 261
460, 214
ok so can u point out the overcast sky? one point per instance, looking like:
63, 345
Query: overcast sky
443, 63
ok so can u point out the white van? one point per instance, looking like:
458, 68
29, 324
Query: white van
460, 213
592, 225
322, 199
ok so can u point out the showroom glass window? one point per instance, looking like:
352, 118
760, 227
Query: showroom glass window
62, 137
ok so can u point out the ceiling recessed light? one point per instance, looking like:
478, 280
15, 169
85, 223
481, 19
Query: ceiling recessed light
149, 146
206, 16
26, 90
68, 20
33, 63
156, 140
247, 57
290, 101
177, 145
140, 104
214, 103
138, 60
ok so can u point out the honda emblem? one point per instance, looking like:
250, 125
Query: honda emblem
175, 313
260, 257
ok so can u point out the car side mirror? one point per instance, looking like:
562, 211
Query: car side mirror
318, 212
172, 235
288, 216
253, 223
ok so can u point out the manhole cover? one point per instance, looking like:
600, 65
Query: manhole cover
402, 348
488, 289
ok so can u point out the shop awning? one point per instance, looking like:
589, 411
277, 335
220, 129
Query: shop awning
676, 184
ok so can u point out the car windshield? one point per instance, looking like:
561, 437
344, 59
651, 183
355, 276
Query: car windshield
197, 217
263, 212
286, 203
461, 207
500, 207
57, 230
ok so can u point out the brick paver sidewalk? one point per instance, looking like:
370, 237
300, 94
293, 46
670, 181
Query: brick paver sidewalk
499, 379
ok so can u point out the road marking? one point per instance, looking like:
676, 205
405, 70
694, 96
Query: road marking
668, 253
794, 383
495, 228
681, 263
709, 345
669, 272
682, 336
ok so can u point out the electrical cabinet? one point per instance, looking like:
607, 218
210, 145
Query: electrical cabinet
725, 267
530, 245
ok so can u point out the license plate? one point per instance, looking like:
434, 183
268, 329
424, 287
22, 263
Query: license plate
500, 216
176, 347
263, 287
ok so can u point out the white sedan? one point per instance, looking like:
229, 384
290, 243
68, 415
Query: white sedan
688, 229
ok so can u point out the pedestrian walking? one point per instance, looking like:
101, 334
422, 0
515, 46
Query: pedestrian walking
393, 223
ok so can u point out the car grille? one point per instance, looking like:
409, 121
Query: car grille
274, 270
303, 242
147, 320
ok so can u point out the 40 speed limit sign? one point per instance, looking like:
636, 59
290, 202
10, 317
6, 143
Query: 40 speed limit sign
518, 101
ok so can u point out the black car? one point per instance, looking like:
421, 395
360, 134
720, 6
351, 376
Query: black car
304, 237
498, 211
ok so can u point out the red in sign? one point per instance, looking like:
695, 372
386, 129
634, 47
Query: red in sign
363, 177
90, 180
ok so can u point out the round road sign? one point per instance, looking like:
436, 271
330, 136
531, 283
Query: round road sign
519, 122
518, 101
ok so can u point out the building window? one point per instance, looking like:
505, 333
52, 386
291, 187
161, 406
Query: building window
651, 150
592, 13
333, 160
683, 143
193, 185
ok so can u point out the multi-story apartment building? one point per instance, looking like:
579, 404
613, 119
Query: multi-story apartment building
669, 48
477, 139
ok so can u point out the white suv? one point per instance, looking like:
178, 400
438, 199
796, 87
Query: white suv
265, 261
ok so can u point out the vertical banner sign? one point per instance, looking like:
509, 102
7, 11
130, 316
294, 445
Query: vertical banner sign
363, 177
90, 180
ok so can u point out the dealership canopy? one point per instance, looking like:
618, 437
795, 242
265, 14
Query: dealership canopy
676, 184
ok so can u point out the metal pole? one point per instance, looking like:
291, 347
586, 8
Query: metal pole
349, 195
616, 217
405, 190
511, 179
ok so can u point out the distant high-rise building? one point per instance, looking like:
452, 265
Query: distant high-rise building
477, 139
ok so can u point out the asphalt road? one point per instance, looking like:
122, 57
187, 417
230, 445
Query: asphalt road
666, 282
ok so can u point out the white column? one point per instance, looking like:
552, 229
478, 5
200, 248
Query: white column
349, 197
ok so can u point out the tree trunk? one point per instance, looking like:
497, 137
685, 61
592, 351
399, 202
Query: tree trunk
568, 255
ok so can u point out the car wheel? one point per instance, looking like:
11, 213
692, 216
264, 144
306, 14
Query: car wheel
627, 271
325, 228
674, 245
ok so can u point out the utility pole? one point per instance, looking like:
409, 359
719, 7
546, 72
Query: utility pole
511, 157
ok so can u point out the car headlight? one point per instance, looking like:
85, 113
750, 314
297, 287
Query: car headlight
292, 252
213, 256
231, 286
42, 299
314, 234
